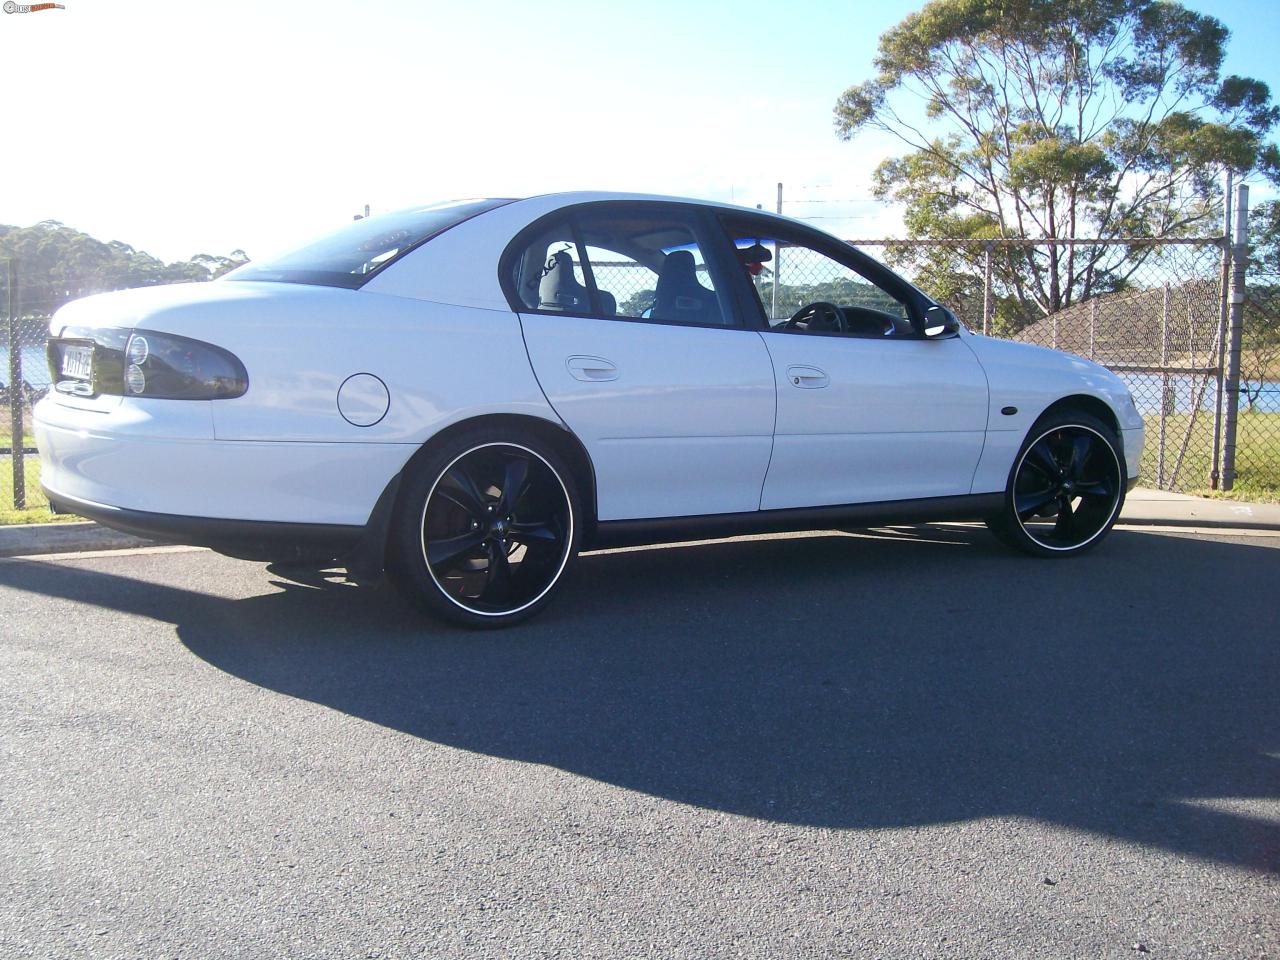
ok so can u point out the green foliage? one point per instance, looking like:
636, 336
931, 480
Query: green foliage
1260, 337
1061, 118
791, 297
840, 290
1264, 234
636, 304
55, 263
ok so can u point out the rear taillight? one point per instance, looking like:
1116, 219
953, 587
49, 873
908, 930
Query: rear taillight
167, 367
143, 363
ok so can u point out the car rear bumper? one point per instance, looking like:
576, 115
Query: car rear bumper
147, 460
250, 539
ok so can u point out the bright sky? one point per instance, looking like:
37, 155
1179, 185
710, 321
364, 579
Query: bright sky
184, 127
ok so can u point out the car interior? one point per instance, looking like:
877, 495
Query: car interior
551, 277
550, 280
822, 316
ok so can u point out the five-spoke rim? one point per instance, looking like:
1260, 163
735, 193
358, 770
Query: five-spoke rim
497, 528
1067, 487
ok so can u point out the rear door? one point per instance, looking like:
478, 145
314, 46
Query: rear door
637, 347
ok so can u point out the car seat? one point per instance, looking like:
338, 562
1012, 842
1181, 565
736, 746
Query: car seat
559, 289
680, 296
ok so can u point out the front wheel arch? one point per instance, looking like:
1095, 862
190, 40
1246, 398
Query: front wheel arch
1087, 513
1086, 404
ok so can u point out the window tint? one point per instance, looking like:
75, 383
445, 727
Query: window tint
788, 274
634, 261
549, 275
348, 257
649, 263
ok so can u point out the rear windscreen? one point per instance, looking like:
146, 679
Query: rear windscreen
350, 256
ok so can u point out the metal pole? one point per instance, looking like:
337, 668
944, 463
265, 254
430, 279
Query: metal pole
17, 440
1164, 385
777, 264
1239, 260
986, 289
1093, 326
1224, 280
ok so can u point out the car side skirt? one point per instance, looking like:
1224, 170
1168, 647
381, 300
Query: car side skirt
630, 533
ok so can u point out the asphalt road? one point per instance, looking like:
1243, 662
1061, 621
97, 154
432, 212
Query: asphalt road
911, 745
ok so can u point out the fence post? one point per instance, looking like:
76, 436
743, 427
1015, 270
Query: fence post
1093, 326
16, 442
1164, 384
777, 262
986, 289
1219, 343
1239, 260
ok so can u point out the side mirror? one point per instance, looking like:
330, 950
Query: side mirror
940, 323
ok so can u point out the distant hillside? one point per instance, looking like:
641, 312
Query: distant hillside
54, 263
1138, 327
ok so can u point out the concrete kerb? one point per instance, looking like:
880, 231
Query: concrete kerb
29, 539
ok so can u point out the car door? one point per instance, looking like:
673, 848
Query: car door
635, 343
871, 412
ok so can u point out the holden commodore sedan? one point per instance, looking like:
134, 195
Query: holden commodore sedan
466, 395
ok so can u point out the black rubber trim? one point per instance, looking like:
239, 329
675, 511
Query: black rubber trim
619, 533
248, 539
1131, 483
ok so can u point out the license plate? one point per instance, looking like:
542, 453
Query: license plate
77, 362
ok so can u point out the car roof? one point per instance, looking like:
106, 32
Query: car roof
571, 197
460, 265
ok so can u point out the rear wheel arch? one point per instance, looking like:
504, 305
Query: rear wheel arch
369, 558
563, 440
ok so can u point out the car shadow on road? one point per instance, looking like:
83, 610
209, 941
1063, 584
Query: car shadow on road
911, 678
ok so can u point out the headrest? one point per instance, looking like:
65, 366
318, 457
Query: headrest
559, 289
678, 260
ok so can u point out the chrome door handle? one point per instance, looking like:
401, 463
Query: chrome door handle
807, 378
591, 369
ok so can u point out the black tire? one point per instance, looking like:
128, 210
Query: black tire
486, 528
1066, 487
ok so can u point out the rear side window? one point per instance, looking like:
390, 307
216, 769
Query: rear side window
618, 261
350, 256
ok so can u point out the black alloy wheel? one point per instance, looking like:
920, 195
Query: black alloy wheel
493, 528
1066, 488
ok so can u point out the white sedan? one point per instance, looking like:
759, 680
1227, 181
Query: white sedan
467, 394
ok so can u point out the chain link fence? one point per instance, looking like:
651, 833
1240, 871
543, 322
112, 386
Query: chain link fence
1258, 429
1155, 312
24, 379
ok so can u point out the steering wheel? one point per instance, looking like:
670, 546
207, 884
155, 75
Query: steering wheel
819, 317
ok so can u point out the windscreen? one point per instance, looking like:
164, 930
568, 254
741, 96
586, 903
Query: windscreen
350, 256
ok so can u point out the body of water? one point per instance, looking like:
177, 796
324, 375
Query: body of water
35, 368
1147, 389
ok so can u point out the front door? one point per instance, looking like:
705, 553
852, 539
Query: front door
868, 410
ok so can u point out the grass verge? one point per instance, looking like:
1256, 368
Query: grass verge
1191, 442
37, 508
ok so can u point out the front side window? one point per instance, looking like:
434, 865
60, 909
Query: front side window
350, 256
619, 261
789, 274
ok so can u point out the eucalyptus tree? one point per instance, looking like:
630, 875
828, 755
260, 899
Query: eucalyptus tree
1059, 118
